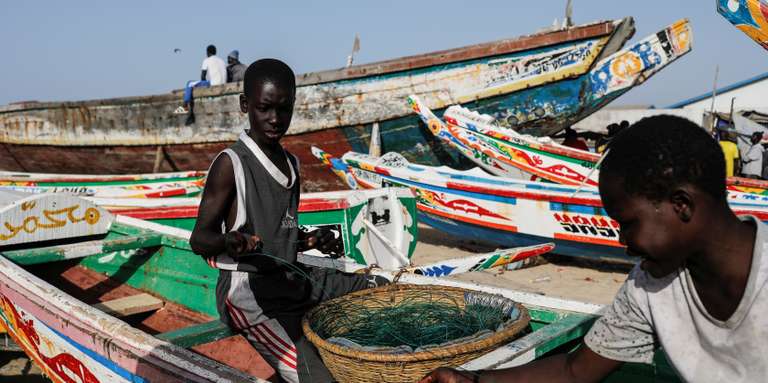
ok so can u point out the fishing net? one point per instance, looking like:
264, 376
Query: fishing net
400, 332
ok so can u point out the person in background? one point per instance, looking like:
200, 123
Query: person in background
731, 153
753, 158
573, 140
602, 143
235, 69
214, 72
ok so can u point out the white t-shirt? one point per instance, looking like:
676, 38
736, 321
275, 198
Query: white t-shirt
753, 160
216, 70
648, 313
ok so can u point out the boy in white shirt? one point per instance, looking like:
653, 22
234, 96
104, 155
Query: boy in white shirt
698, 292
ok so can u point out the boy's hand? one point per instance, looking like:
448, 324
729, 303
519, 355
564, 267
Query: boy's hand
238, 243
324, 240
447, 375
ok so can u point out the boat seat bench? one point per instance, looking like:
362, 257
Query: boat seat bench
199, 334
130, 305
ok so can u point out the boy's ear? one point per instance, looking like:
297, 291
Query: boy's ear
682, 204
243, 103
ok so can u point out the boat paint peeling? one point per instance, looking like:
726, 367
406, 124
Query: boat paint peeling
337, 107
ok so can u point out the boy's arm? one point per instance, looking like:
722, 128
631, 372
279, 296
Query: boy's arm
582, 365
218, 196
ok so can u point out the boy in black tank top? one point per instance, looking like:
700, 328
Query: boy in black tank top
247, 228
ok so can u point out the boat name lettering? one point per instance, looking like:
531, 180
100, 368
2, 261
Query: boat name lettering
51, 219
579, 224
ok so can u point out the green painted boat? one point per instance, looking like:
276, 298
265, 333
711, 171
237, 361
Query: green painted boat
391, 211
97, 297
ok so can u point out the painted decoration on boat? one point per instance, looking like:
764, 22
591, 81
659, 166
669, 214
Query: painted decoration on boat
750, 16
151, 190
524, 212
47, 216
505, 152
60, 358
643, 59
482, 261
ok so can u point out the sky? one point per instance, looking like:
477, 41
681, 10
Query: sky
75, 50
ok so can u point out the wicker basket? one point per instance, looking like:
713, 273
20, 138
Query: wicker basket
354, 365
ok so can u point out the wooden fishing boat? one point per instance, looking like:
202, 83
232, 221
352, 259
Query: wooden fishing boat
506, 153
157, 185
750, 16
506, 211
96, 297
535, 83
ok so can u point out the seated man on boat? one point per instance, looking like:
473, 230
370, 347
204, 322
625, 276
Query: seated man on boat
247, 228
235, 69
214, 72
699, 290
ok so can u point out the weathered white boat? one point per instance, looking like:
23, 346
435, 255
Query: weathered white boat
537, 82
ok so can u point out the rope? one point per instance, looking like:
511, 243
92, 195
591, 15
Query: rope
418, 320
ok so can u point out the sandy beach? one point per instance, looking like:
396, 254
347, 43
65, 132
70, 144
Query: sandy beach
554, 276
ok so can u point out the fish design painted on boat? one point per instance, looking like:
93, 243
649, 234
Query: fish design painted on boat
537, 83
505, 211
749, 16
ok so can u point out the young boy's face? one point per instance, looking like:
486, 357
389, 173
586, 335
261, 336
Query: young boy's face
651, 230
270, 109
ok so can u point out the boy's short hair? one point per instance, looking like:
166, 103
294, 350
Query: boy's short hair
211, 49
272, 70
659, 153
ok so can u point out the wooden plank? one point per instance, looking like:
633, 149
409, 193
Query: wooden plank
196, 335
134, 304
535, 344
82, 249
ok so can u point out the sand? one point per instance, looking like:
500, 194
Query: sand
558, 276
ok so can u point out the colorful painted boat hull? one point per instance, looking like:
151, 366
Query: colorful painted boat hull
750, 16
530, 82
505, 211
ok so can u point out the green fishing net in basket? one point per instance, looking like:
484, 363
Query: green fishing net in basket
399, 333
